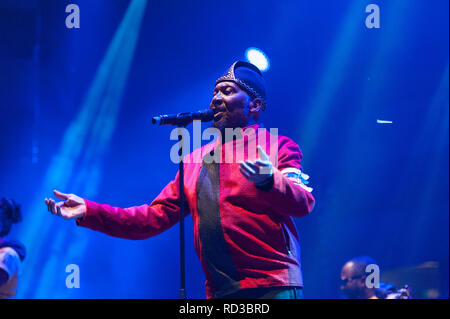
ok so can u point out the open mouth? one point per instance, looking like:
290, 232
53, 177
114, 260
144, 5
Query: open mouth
218, 116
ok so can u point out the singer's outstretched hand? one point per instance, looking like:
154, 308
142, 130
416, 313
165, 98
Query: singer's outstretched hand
71, 207
260, 171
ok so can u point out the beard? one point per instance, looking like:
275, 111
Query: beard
225, 121
221, 124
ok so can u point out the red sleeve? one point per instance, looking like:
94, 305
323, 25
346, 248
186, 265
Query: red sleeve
292, 196
139, 222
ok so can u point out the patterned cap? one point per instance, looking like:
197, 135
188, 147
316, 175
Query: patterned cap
248, 77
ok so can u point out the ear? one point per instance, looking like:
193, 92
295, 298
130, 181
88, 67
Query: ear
256, 105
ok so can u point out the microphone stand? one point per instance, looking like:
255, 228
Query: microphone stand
181, 120
182, 196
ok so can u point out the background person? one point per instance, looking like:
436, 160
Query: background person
353, 278
12, 253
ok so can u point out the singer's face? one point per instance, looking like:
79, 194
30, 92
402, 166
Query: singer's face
230, 105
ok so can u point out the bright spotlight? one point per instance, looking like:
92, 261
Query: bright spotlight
258, 58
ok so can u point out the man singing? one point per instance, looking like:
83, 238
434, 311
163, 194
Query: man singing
242, 208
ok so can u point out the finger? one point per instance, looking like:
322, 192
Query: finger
262, 155
245, 173
50, 206
252, 165
246, 168
55, 208
61, 195
262, 163
54, 211
46, 204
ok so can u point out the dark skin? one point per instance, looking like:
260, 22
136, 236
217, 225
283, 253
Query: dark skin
354, 282
233, 107
4, 277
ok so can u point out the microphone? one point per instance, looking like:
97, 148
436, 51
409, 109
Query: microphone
182, 119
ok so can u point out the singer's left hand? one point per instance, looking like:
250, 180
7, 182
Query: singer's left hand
259, 171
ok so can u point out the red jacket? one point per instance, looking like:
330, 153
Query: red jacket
244, 235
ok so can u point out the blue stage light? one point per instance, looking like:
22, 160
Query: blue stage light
258, 58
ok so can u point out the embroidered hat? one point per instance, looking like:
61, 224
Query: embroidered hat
248, 77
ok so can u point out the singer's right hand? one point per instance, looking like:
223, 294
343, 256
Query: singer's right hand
72, 206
